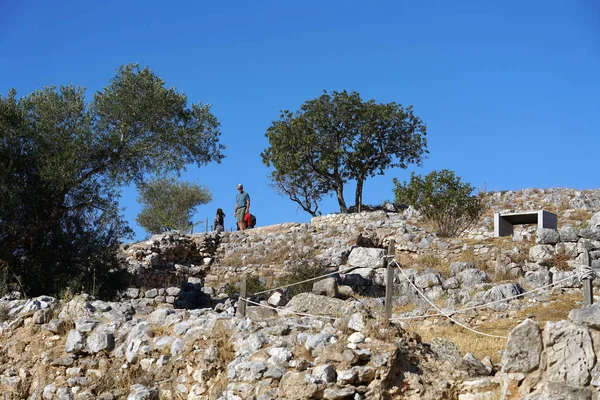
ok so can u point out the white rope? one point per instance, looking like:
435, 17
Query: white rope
491, 302
444, 314
305, 281
586, 272
290, 312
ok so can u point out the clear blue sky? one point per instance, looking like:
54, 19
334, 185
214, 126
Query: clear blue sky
510, 90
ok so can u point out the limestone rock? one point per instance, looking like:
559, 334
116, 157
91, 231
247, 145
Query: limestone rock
326, 287
547, 236
595, 221
541, 253
523, 349
587, 316
569, 353
365, 257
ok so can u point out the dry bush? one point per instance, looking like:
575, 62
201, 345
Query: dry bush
378, 328
559, 261
520, 257
221, 335
221, 339
117, 378
161, 330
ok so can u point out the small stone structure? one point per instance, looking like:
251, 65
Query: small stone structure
503, 222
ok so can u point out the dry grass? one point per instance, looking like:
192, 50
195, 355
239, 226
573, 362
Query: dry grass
404, 258
563, 206
401, 309
481, 346
559, 261
279, 255
161, 330
432, 262
122, 379
502, 275
468, 255
234, 260
221, 335
581, 215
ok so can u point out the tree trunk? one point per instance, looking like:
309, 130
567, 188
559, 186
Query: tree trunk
358, 195
339, 191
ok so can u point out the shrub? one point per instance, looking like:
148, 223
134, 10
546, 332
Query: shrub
298, 273
4, 310
253, 285
443, 200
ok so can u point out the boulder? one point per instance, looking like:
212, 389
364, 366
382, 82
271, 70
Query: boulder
471, 277
595, 221
523, 349
547, 236
366, 257
326, 287
459, 266
569, 353
587, 316
541, 253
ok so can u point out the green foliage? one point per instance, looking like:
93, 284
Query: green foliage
4, 312
298, 273
253, 285
168, 204
443, 200
337, 138
62, 161
231, 289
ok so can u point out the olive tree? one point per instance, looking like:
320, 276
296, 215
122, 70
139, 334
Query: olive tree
63, 160
168, 204
336, 138
442, 199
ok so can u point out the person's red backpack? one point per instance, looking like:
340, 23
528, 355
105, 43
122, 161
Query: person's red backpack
250, 220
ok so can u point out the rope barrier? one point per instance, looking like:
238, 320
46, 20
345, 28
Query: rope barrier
305, 281
587, 272
291, 312
444, 314
491, 302
584, 272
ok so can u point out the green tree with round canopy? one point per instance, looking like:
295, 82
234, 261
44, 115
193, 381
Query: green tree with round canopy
168, 204
337, 138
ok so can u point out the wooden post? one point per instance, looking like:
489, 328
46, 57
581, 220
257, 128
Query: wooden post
389, 286
587, 287
241, 311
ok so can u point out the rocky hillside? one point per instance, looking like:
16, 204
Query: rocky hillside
474, 317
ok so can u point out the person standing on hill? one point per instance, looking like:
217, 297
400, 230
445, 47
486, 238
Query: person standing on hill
219, 221
242, 207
